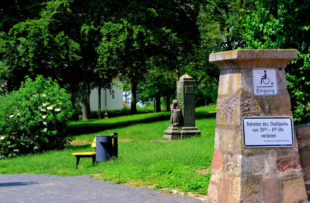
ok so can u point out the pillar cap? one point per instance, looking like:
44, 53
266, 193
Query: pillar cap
248, 54
186, 77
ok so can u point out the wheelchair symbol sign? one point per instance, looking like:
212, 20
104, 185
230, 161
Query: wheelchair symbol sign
265, 82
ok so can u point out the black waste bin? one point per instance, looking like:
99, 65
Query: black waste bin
104, 148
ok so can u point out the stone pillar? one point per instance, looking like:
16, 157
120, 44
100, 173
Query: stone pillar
186, 100
253, 174
303, 136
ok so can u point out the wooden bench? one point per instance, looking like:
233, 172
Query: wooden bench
79, 155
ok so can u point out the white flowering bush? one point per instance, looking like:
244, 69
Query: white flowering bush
34, 118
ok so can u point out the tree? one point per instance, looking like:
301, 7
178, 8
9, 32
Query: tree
148, 29
30, 49
220, 27
12, 12
122, 47
158, 82
284, 24
48, 46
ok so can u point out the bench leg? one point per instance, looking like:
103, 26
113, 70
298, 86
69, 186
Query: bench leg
77, 162
94, 160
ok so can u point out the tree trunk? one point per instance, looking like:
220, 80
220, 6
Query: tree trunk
85, 103
168, 102
72, 97
133, 106
99, 101
157, 97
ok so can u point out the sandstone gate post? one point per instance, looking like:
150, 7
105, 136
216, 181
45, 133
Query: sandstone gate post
255, 153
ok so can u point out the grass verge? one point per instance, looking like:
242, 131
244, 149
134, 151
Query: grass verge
141, 161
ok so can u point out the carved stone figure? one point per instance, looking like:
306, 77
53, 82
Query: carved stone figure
176, 114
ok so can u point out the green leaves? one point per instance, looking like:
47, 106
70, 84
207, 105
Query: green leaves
33, 117
284, 24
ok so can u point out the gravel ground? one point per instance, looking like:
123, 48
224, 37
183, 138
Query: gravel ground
47, 188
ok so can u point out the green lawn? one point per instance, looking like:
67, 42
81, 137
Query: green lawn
141, 161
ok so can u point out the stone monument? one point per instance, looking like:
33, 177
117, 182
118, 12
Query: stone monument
255, 153
186, 99
185, 113
173, 131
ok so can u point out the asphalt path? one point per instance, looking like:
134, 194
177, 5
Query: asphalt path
50, 188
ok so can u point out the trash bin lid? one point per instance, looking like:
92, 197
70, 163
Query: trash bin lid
103, 138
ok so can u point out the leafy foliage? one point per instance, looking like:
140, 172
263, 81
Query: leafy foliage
34, 118
284, 24
12, 12
33, 48
148, 32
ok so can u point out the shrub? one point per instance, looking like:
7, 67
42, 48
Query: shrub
34, 118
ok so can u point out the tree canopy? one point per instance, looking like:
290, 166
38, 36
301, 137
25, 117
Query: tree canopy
148, 44
285, 24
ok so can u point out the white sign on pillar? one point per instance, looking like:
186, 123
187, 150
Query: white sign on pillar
267, 131
265, 82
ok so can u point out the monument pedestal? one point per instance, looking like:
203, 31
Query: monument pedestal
252, 85
172, 133
187, 132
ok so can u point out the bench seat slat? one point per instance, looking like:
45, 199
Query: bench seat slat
84, 153
79, 155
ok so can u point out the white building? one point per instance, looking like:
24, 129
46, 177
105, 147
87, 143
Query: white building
114, 97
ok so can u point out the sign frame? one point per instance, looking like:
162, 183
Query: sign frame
292, 137
265, 86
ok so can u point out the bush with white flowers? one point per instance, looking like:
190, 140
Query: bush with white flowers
34, 118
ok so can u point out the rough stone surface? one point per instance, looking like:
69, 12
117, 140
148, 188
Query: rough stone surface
229, 84
252, 174
303, 143
218, 161
217, 139
280, 106
213, 193
252, 189
303, 135
228, 111
308, 187
288, 163
273, 192
233, 164
225, 190
230, 142
294, 190
235, 190
303, 131
305, 156
268, 58
261, 54
306, 173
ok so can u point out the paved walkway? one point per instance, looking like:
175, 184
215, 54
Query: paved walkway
47, 188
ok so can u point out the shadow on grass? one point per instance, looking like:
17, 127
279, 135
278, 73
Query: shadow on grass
204, 115
77, 147
83, 129
91, 128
